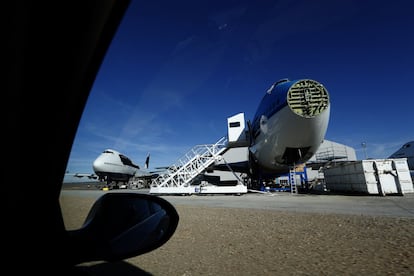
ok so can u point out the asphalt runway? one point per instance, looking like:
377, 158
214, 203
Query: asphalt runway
372, 205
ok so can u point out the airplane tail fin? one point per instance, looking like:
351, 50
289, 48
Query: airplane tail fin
147, 161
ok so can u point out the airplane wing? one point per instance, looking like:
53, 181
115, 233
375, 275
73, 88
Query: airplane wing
147, 175
80, 175
163, 168
242, 167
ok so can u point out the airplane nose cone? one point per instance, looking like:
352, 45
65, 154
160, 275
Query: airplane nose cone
98, 164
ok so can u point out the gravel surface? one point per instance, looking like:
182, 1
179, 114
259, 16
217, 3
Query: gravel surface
233, 241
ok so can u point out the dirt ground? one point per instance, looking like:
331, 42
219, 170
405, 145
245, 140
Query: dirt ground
231, 241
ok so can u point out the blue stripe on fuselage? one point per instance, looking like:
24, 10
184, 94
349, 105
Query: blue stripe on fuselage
271, 104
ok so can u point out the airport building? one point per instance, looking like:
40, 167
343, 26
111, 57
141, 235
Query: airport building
328, 154
330, 151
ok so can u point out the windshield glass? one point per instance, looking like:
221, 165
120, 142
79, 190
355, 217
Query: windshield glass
175, 78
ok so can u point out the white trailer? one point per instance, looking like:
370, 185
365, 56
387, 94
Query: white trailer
372, 176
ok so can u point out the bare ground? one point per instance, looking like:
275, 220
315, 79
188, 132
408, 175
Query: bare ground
231, 241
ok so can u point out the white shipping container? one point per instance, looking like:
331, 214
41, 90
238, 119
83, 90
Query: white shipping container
373, 176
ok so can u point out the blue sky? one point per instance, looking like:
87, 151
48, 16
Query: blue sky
177, 69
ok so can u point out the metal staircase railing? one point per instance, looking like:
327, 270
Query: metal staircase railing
182, 173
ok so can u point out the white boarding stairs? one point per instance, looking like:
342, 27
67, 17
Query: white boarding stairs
178, 178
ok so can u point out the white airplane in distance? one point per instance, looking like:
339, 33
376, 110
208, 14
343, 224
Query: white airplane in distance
114, 167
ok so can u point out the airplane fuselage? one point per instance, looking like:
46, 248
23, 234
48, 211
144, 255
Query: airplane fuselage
114, 166
290, 124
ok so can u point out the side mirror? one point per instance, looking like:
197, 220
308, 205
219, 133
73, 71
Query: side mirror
123, 225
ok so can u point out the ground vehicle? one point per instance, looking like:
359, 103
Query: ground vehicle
50, 73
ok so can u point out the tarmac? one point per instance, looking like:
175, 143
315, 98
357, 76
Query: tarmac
269, 234
372, 205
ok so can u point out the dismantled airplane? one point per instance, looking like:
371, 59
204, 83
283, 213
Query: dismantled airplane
288, 127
